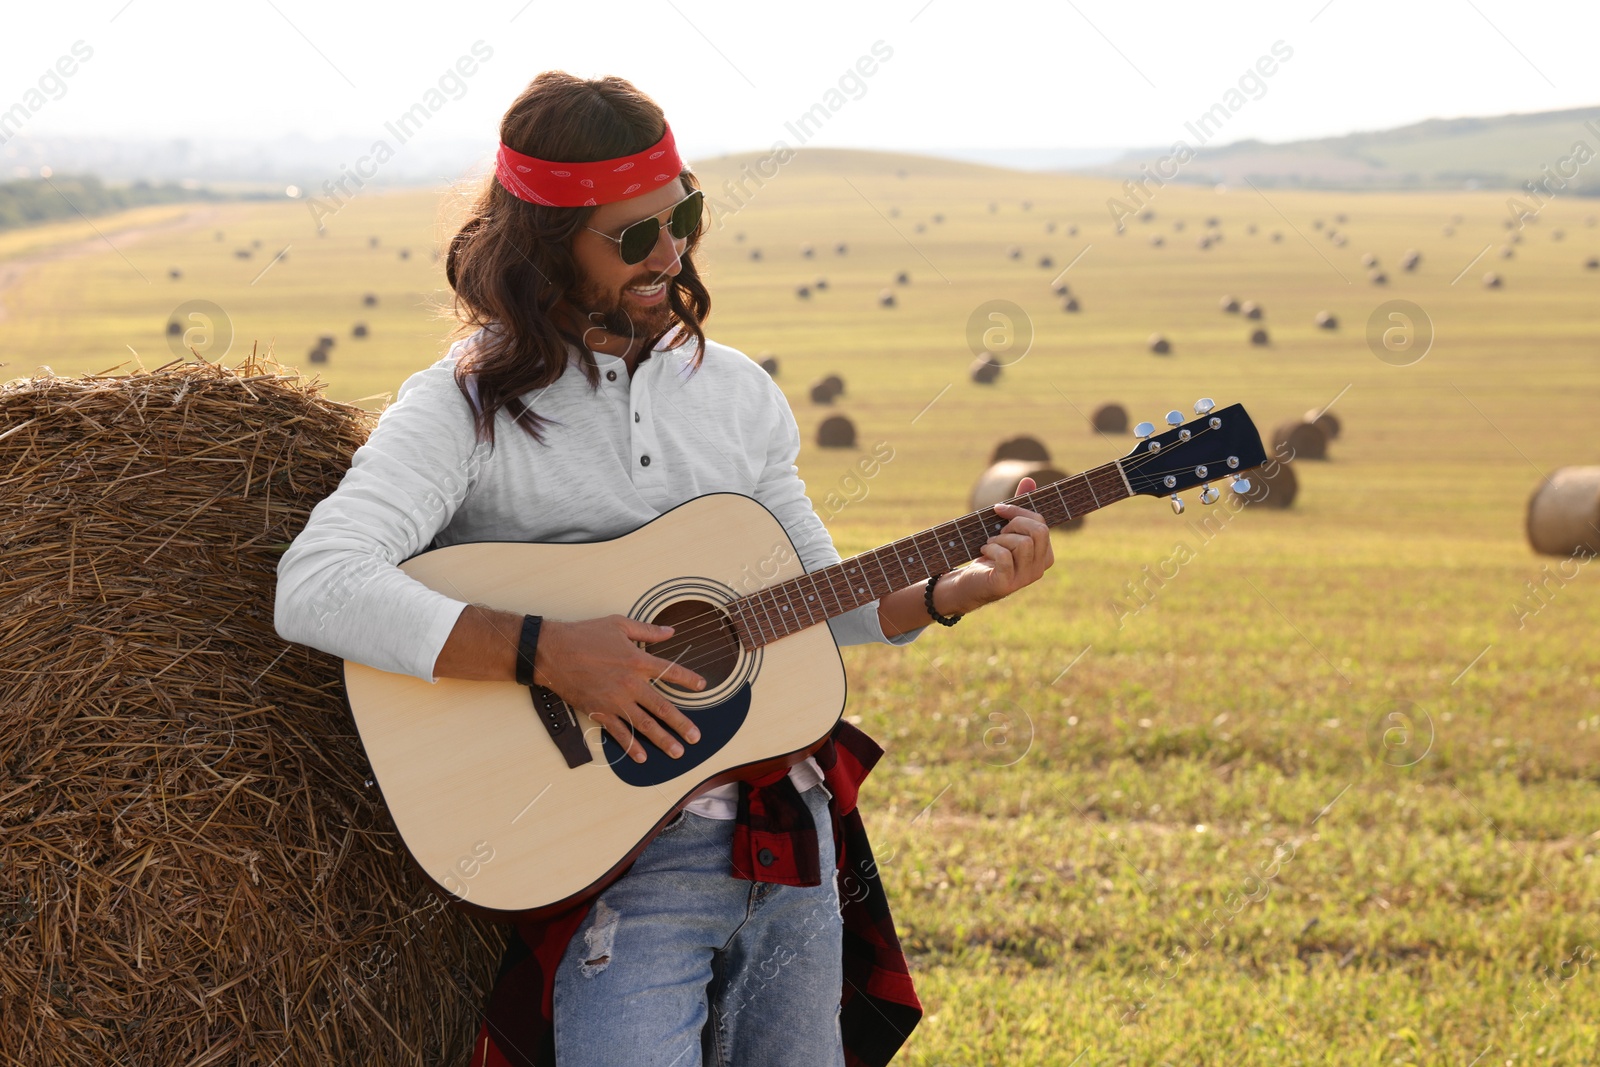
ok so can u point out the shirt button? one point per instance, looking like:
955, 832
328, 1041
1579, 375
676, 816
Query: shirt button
765, 857
635, 416
611, 375
644, 461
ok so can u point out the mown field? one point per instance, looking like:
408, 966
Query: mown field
1326, 793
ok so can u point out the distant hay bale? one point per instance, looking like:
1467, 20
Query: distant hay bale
1316, 224
1341, 218
1340, 240
1300, 440
1273, 485
920, 228
1327, 320
1000, 481
1277, 238
1061, 289
241, 253
1592, 263
405, 253
840, 249
1013, 252
1409, 261
1049, 227
1250, 229
769, 363
821, 284
372, 242
192, 867
806, 251
836, 431
1506, 251
1023, 447
835, 384
937, 218
174, 328
370, 300
1046, 262
1369, 260
1070, 304
755, 255
1449, 231
1230, 305
1159, 344
1213, 221
1492, 280
318, 355
886, 298
175, 274
1204, 243
1259, 336
1564, 513
1251, 310
1177, 225
1156, 240
803, 292
358, 330
1027, 205
325, 341
1110, 418
1326, 421
822, 393
1377, 277
902, 278
984, 371
255, 242
1072, 231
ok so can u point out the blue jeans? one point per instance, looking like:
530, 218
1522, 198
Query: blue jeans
680, 964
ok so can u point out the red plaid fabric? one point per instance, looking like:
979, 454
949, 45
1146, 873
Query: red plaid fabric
879, 1006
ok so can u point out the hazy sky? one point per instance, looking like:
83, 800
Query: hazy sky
959, 73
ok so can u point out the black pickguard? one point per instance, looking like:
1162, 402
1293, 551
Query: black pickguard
717, 722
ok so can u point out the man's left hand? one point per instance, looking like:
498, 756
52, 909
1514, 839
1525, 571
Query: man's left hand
1016, 556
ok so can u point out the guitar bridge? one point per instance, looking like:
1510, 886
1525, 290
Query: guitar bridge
562, 724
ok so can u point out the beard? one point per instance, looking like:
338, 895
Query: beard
607, 310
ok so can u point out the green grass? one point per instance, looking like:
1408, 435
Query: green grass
1080, 861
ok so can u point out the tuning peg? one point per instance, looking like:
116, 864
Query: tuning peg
1143, 430
1208, 494
1240, 484
1177, 504
1174, 418
1204, 405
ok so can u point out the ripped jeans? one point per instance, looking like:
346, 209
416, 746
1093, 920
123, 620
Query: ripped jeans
680, 964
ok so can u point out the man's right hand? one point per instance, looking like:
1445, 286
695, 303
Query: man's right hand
596, 667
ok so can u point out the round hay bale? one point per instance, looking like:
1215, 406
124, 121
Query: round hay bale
174, 328
769, 363
318, 354
1014, 252
1177, 225
1259, 336
241, 253
1369, 260
1251, 310
1326, 421
370, 300
358, 330
755, 255
1250, 229
192, 867
325, 341
822, 392
1046, 262
175, 274
1213, 221
983, 372
822, 284
1230, 305
1110, 418
255, 242
920, 228
1299, 440
405, 253
834, 383
1072, 231
1061, 289
1157, 241
1070, 304
938, 217
999, 482
840, 249
1409, 261
1327, 320
1377, 277
886, 298
1340, 240
1159, 344
902, 278
372, 242
806, 251
220, 236
1491, 280
1449, 231
1049, 227
1023, 447
803, 292
1592, 263
1204, 243
1272, 485
1027, 205
836, 431
1277, 238
1564, 513
1506, 251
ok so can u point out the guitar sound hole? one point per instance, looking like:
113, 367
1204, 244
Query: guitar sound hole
702, 640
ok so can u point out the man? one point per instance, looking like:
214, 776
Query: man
578, 411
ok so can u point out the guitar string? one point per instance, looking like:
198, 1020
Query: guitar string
706, 624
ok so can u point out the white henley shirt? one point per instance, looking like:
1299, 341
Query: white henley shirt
612, 459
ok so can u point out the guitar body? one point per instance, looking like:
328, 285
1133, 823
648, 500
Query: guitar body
481, 795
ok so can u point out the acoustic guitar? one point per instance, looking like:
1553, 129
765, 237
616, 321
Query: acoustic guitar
512, 801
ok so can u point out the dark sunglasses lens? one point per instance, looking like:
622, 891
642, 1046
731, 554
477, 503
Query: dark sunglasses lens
639, 239
686, 216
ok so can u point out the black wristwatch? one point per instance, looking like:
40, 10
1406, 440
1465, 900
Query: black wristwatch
527, 644
927, 595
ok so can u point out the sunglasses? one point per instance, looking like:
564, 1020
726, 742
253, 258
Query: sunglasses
639, 239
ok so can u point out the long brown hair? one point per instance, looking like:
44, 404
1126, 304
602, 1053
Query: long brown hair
512, 264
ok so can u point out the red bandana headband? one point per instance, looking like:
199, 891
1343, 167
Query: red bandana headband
540, 181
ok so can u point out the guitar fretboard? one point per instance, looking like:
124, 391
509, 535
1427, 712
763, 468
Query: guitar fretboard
798, 603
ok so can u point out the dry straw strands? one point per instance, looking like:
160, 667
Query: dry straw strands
192, 871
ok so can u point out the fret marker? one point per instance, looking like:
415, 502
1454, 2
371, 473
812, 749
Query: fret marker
811, 598
861, 590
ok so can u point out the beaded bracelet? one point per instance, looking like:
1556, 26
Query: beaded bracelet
927, 595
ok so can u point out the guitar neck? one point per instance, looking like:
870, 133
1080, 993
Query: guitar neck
789, 607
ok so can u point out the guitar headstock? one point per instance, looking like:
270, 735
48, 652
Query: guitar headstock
1220, 442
